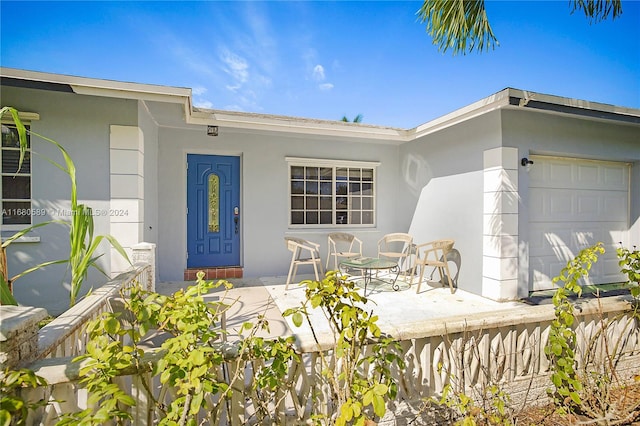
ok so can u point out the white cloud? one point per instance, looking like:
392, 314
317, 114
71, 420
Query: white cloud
236, 66
325, 86
199, 90
318, 73
202, 103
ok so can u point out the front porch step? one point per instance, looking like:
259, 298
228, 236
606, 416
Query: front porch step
214, 273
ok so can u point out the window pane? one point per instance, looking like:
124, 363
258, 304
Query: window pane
355, 218
325, 218
312, 187
18, 187
326, 173
325, 188
367, 203
297, 172
354, 174
297, 187
10, 138
312, 218
367, 189
341, 218
367, 218
367, 175
11, 158
325, 203
297, 203
312, 173
354, 188
16, 213
341, 173
355, 203
312, 203
297, 218
341, 188
341, 203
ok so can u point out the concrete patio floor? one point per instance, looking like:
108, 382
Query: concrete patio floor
398, 311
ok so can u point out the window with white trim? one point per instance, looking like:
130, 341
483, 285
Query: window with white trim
15, 186
331, 192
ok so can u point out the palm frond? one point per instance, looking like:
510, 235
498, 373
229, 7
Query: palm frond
460, 25
598, 10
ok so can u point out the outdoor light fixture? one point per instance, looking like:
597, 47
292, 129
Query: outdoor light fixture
526, 162
212, 130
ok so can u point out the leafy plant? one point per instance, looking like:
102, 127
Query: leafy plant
194, 360
484, 403
83, 243
470, 413
560, 347
605, 395
630, 264
13, 408
359, 379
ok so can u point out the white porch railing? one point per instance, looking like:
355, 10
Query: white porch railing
506, 348
65, 336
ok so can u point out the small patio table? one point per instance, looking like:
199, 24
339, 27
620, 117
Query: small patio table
371, 265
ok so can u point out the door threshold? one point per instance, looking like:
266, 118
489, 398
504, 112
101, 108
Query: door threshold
214, 272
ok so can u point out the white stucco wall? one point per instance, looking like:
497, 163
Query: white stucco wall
81, 125
535, 132
443, 191
264, 209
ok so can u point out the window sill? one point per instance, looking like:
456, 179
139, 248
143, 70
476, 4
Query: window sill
22, 239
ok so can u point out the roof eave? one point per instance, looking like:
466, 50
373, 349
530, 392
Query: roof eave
276, 123
106, 88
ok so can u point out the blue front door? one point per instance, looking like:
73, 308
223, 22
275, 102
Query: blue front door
213, 211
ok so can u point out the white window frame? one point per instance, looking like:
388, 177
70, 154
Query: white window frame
26, 118
334, 165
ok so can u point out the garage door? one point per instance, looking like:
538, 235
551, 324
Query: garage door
573, 204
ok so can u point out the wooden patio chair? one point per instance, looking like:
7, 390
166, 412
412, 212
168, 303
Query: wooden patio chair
397, 247
434, 254
342, 245
303, 252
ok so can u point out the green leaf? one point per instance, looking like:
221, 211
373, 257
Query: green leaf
575, 397
380, 389
368, 398
379, 406
5, 418
297, 319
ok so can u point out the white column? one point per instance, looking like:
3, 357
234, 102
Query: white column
126, 155
500, 226
146, 253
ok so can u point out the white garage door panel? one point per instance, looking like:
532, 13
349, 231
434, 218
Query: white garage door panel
546, 238
573, 204
554, 205
550, 172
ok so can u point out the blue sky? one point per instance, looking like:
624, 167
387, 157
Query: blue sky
326, 59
